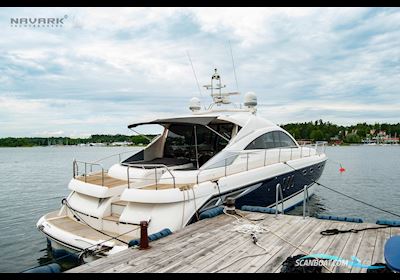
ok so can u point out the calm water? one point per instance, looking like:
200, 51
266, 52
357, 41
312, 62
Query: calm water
33, 181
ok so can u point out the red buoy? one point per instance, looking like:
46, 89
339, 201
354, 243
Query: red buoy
341, 169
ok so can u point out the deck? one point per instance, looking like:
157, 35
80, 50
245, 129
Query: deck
74, 227
97, 179
211, 245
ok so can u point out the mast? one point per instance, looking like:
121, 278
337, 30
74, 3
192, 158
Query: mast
223, 98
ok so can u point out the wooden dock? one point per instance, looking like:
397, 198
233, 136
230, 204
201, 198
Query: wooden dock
211, 245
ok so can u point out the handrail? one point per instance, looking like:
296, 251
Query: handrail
91, 164
75, 167
143, 165
265, 151
306, 198
224, 161
278, 191
119, 155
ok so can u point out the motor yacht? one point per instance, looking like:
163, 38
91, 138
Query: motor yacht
195, 164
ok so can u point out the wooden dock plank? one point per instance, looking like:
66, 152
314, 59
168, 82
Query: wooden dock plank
195, 229
248, 248
211, 245
171, 252
382, 236
366, 249
222, 249
326, 240
338, 244
306, 247
351, 247
183, 260
296, 239
186, 250
394, 231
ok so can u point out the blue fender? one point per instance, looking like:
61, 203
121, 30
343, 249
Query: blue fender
50, 268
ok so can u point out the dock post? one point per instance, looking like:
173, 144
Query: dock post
144, 238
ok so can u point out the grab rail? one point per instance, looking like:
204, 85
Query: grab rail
224, 161
143, 165
118, 154
306, 198
278, 192
75, 169
75, 165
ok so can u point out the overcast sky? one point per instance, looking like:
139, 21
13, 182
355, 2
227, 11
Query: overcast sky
108, 67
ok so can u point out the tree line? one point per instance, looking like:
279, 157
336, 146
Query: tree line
96, 138
314, 130
327, 131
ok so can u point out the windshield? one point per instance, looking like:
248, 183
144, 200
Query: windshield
181, 141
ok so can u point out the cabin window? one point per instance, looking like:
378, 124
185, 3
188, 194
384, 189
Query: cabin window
270, 140
285, 140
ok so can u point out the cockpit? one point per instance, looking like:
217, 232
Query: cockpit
186, 144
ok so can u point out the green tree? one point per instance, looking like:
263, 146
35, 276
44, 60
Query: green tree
317, 135
352, 138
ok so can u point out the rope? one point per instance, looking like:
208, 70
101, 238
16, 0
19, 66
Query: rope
252, 229
79, 253
346, 195
64, 201
245, 228
335, 231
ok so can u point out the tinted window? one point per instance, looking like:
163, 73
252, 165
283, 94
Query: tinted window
179, 142
257, 143
277, 139
271, 140
286, 141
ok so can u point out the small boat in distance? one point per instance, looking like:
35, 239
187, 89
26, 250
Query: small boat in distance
197, 162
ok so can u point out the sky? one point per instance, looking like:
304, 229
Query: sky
108, 67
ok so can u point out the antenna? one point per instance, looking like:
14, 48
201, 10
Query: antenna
233, 63
194, 73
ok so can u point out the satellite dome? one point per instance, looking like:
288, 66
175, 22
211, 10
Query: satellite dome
250, 99
195, 104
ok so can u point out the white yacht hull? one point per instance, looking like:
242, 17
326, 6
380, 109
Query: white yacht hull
175, 208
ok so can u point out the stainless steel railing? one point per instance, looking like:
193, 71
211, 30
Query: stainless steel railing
278, 192
144, 165
117, 155
318, 148
87, 166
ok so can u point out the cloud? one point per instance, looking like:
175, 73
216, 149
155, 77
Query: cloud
107, 68
50, 133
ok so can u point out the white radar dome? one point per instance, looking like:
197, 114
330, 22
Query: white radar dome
195, 104
250, 99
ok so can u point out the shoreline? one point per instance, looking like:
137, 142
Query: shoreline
143, 146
